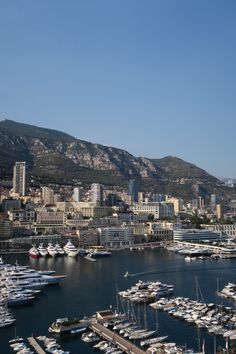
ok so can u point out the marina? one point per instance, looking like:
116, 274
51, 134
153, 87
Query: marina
19, 286
216, 319
90, 285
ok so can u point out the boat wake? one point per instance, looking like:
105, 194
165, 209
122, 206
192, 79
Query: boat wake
176, 270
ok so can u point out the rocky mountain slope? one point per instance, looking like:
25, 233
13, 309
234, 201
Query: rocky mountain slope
56, 157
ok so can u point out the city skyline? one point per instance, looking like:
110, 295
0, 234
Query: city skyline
156, 79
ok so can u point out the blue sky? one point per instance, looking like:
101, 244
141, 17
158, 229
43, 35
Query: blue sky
155, 77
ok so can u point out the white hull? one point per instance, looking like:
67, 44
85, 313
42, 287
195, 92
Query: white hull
72, 254
52, 253
71, 250
61, 253
43, 253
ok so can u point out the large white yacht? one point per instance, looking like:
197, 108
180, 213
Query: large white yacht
60, 251
42, 250
52, 250
70, 249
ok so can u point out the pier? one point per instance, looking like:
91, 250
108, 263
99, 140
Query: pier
35, 346
120, 342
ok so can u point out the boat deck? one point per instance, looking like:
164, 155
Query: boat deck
120, 342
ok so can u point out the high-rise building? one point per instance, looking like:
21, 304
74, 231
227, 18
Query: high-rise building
200, 202
97, 194
77, 195
47, 196
19, 178
213, 202
218, 211
133, 190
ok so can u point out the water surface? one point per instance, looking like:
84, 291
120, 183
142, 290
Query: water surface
91, 286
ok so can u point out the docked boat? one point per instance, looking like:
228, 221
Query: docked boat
90, 337
33, 252
78, 330
63, 325
19, 299
143, 292
153, 341
142, 335
70, 249
16, 340
60, 251
52, 251
99, 253
42, 250
6, 318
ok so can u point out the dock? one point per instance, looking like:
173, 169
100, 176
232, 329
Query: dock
120, 342
35, 346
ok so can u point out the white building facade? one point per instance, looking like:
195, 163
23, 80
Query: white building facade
158, 210
116, 236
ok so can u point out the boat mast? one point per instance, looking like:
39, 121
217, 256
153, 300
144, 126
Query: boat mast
214, 344
196, 281
157, 321
145, 316
117, 299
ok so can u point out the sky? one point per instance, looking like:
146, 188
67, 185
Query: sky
154, 77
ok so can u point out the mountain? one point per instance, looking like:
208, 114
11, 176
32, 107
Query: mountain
56, 157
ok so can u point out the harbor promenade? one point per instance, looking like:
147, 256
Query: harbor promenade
120, 342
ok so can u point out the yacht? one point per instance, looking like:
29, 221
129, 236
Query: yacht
60, 251
70, 249
42, 250
33, 252
99, 253
6, 318
52, 251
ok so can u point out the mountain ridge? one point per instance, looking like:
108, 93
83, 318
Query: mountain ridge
57, 156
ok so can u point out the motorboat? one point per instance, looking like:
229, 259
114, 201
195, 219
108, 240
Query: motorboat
70, 249
60, 251
52, 251
42, 250
99, 253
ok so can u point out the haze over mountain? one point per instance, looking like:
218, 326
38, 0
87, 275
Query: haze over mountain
56, 157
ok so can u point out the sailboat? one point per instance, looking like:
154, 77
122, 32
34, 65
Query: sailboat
16, 339
154, 340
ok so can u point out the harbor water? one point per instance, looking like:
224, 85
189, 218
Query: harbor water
91, 286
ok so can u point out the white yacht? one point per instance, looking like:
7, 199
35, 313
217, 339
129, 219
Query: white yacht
42, 250
70, 249
60, 251
52, 251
